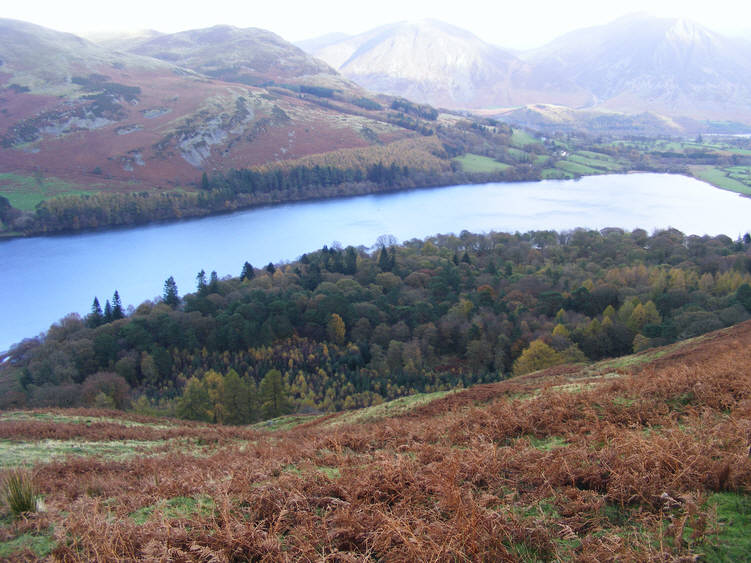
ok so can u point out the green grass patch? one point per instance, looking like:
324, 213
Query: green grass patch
719, 178
16, 454
41, 545
175, 508
25, 192
74, 419
547, 443
521, 138
286, 422
330, 472
733, 541
393, 408
474, 163
576, 168
596, 156
596, 163
556, 174
623, 401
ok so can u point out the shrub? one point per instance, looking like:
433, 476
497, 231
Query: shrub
20, 492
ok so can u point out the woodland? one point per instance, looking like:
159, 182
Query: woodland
342, 328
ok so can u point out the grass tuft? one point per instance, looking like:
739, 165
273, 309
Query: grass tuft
20, 492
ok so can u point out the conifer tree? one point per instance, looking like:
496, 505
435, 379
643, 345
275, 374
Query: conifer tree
248, 273
213, 282
195, 403
273, 395
107, 312
96, 317
385, 262
117, 307
201, 280
237, 401
171, 296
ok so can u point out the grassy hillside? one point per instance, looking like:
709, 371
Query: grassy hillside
640, 458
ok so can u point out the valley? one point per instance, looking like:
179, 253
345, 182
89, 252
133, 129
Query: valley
395, 294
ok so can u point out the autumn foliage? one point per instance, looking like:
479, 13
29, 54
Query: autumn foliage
616, 461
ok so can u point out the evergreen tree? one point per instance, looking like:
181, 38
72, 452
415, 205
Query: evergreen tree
204, 181
385, 262
107, 312
273, 395
270, 268
248, 273
195, 403
96, 317
117, 307
201, 280
237, 399
213, 282
350, 261
170, 296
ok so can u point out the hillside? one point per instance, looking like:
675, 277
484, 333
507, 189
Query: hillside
250, 56
640, 63
76, 114
632, 65
641, 458
429, 62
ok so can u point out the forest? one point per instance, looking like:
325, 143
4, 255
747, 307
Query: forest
342, 328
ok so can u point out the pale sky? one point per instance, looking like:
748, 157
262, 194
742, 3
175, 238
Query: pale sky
513, 24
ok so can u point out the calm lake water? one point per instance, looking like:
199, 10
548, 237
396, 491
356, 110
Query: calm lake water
45, 278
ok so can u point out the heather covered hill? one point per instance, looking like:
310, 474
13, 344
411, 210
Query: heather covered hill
641, 458
251, 56
78, 113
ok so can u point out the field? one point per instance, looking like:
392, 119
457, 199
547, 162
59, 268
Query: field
473, 163
735, 179
25, 192
637, 458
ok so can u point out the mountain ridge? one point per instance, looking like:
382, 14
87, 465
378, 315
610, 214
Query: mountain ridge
634, 64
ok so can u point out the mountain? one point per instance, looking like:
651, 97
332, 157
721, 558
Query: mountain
639, 63
552, 119
429, 61
635, 64
76, 111
122, 40
251, 56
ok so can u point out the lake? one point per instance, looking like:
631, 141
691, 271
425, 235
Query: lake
45, 278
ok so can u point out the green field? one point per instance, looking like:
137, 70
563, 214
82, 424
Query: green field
596, 161
521, 139
25, 192
719, 178
576, 168
475, 163
556, 174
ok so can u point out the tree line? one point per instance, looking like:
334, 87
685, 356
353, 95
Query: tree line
350, 327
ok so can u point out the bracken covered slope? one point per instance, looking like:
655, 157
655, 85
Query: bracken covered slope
101, 119
639, 458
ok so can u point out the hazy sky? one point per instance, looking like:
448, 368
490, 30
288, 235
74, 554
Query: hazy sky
514, 24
